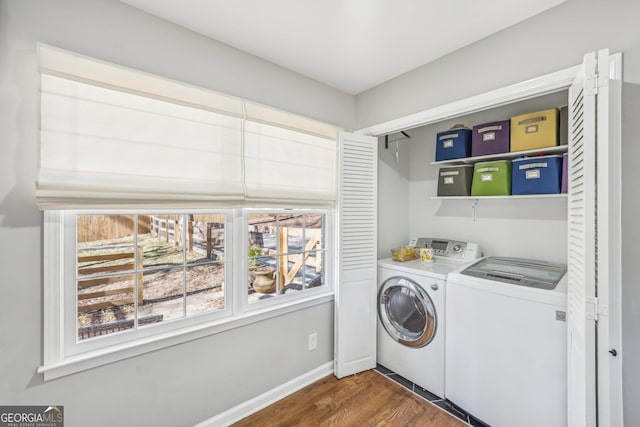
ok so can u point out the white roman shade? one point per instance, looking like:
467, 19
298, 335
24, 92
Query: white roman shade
115, 136
289, 157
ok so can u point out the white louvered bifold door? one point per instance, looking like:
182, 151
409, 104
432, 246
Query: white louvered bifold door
355, 299
582, 259
609, 228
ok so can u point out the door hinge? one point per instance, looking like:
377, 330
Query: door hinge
592, 308
591, 85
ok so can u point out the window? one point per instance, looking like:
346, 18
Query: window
286, 253
135, 271
129, 278
153, 194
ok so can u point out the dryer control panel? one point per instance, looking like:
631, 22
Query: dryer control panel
456, 249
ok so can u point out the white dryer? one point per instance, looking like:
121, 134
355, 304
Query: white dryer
411, 304
506, 349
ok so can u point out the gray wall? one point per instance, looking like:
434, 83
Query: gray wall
393, 195
187, 383
548, 42
631, 235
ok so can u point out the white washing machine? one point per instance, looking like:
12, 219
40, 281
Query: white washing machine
411, 304
506, 348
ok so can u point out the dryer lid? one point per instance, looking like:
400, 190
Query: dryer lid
518, 271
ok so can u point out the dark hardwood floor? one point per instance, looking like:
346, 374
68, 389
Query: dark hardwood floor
365, 399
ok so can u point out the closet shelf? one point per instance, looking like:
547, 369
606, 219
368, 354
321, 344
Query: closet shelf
526, 196
509, 155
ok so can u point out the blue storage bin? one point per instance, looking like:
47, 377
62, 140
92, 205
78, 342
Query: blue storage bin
453, 144
536, 175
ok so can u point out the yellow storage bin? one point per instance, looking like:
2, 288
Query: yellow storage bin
534, 130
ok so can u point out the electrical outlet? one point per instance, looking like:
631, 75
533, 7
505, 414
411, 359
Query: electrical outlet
313, 341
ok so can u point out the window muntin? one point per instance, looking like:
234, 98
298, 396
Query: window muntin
135, 271
286, 250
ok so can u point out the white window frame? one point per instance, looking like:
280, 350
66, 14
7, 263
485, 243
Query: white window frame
64, 355
72, 345
244, 304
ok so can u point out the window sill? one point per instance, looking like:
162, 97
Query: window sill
92, 359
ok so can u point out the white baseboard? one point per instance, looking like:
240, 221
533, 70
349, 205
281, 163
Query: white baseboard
251, 406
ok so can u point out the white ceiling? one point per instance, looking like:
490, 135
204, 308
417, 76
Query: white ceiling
351, 45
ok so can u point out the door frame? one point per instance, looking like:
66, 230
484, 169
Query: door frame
549, 83
609, 326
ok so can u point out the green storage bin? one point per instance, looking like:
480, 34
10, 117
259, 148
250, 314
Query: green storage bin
455, 181
492, 178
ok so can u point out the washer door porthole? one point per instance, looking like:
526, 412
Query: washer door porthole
407, 312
